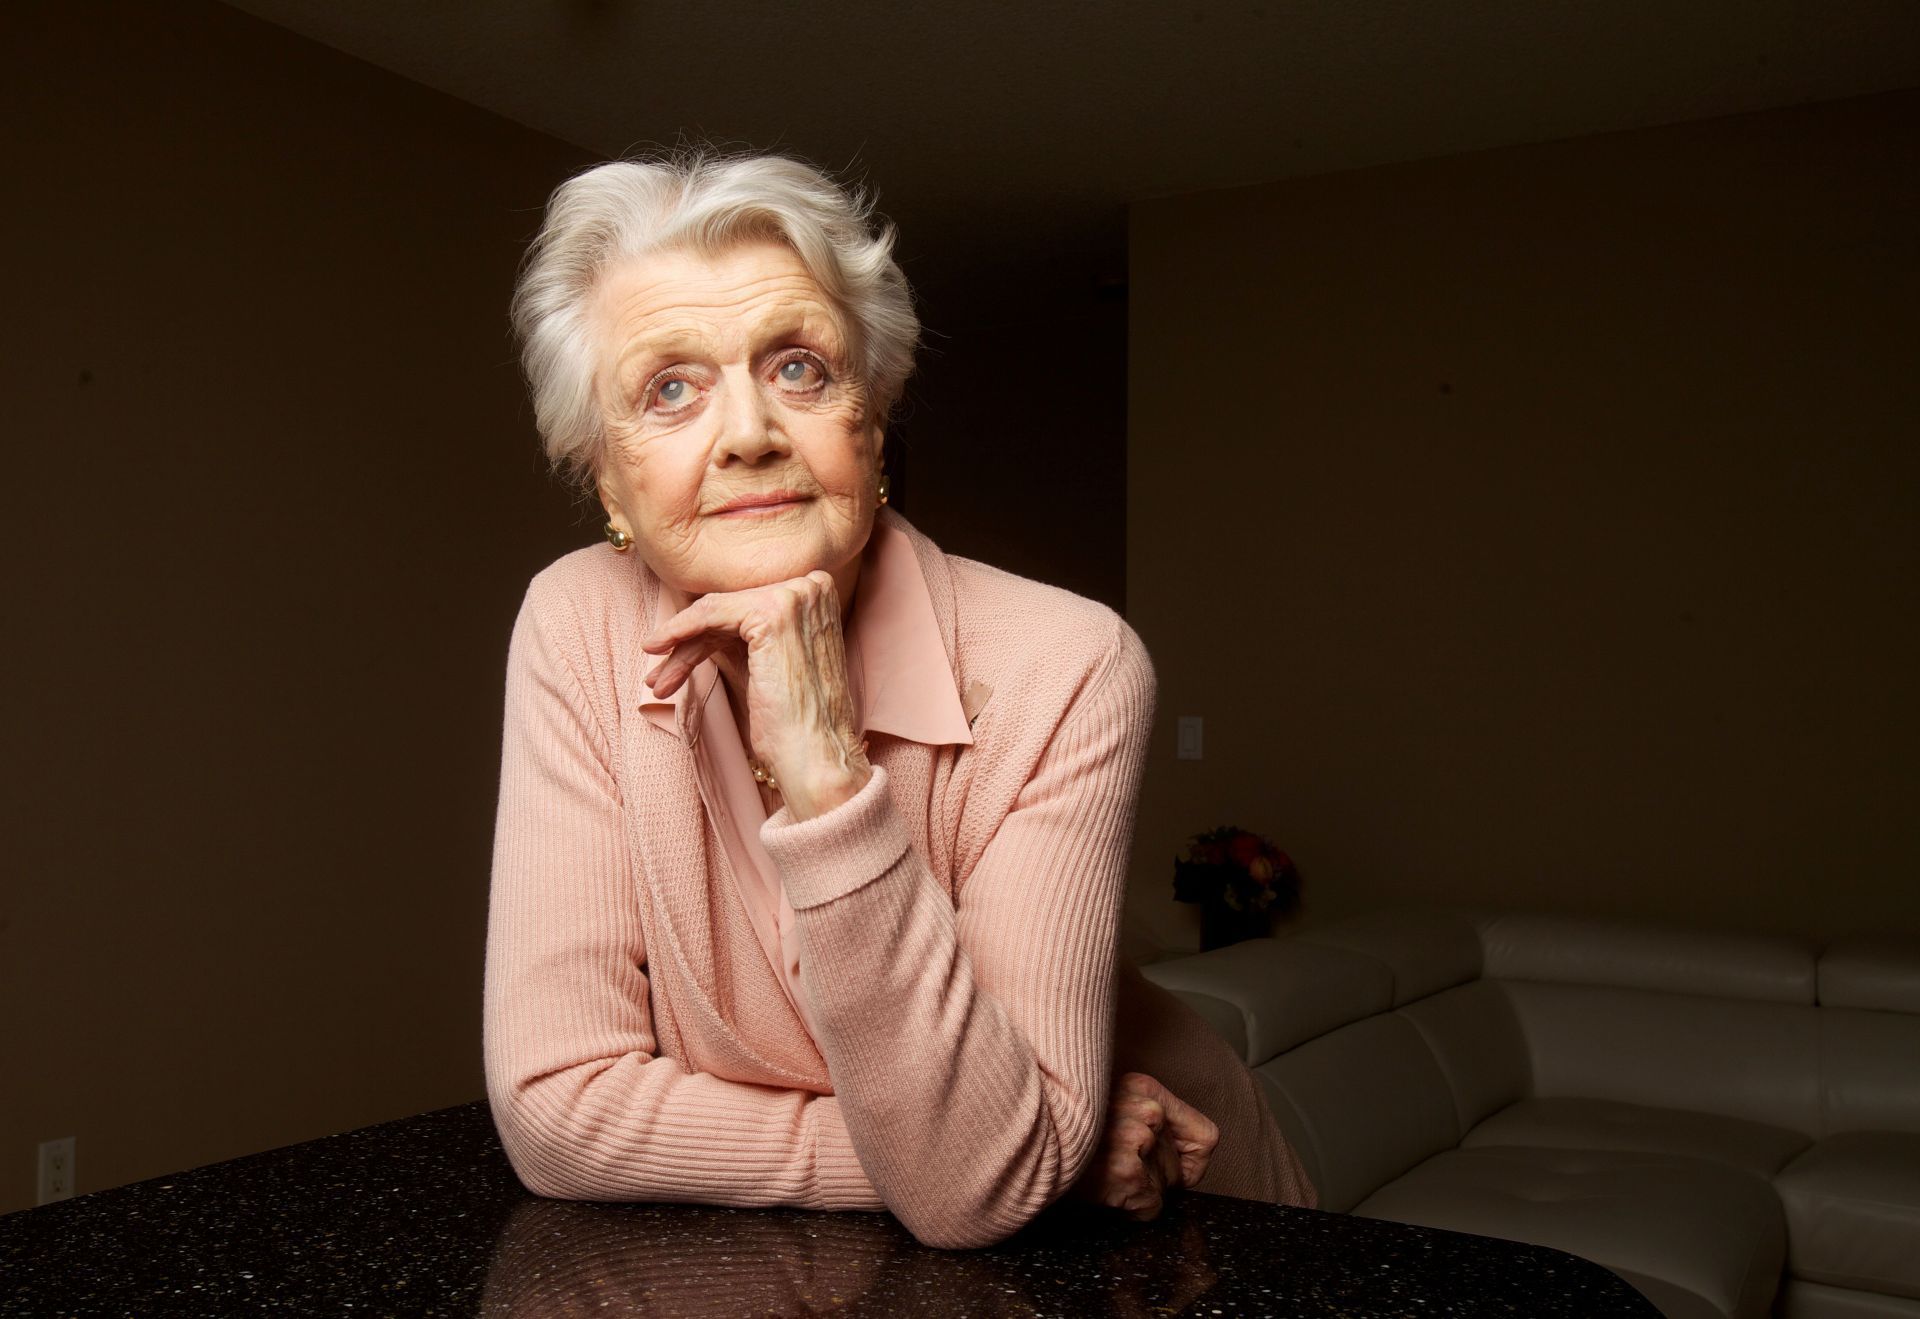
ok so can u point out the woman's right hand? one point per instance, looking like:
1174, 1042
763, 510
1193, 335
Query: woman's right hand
1154, 1143
781, 646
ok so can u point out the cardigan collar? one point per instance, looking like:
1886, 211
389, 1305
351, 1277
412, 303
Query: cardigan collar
898, 645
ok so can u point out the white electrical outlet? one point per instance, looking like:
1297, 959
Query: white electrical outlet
56, 1170
1189, 748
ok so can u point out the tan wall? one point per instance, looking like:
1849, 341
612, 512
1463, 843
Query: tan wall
1028, 475
1541, 526
271, 501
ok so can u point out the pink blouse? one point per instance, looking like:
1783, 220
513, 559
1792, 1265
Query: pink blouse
902, 684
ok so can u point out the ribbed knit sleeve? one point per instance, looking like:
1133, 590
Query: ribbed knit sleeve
585, 1105
970, 1041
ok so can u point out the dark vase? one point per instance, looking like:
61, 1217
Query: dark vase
1221, 925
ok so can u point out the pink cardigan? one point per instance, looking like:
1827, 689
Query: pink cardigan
958, 917
902, 685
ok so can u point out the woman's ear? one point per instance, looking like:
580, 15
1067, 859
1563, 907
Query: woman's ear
610, 503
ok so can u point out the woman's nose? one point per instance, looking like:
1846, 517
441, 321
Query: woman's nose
749, 423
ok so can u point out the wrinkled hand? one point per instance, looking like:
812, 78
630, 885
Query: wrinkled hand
1154, 1143
800, 717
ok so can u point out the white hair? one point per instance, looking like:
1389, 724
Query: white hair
702, 203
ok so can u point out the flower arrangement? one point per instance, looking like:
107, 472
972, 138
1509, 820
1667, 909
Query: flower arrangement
1241, 881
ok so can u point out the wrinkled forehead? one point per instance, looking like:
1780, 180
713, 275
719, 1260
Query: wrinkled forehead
727, 306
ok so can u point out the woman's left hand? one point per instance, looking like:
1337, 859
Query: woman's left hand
799, 706
1154, 1144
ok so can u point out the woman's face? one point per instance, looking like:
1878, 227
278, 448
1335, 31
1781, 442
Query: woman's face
723, 379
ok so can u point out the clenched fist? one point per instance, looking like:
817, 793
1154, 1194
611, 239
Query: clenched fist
1154, 1143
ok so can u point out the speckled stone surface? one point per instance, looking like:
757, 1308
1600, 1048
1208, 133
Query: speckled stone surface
424, 1217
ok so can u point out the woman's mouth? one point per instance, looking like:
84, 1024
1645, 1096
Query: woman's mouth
774, 502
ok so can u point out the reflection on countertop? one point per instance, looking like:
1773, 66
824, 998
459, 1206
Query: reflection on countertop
557, 1258
424, 1216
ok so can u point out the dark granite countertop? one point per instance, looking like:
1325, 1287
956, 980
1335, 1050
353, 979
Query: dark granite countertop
424, 1217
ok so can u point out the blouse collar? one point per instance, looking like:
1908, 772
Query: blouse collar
893, 643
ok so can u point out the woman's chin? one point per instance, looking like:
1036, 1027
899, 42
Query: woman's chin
742, 562
750, 573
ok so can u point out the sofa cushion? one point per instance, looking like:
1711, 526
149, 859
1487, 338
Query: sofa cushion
1586, 950
1370, 1103
1800, 1299
1758, 1061
1869, 1071
1476, 1039
1286, 992
1872, 971
1712, 1232
1853, 1212
1673, 1301
1817, 1300
1425, 950
1604, 1124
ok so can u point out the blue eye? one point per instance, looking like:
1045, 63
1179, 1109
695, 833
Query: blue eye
795, 371
672, 394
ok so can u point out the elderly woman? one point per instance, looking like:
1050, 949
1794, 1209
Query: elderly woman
811, 838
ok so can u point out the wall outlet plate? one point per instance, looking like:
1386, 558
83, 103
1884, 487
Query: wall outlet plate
1190, 737
56, 1170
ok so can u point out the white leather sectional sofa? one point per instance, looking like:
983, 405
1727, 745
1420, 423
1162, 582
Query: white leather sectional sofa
1731, 1122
